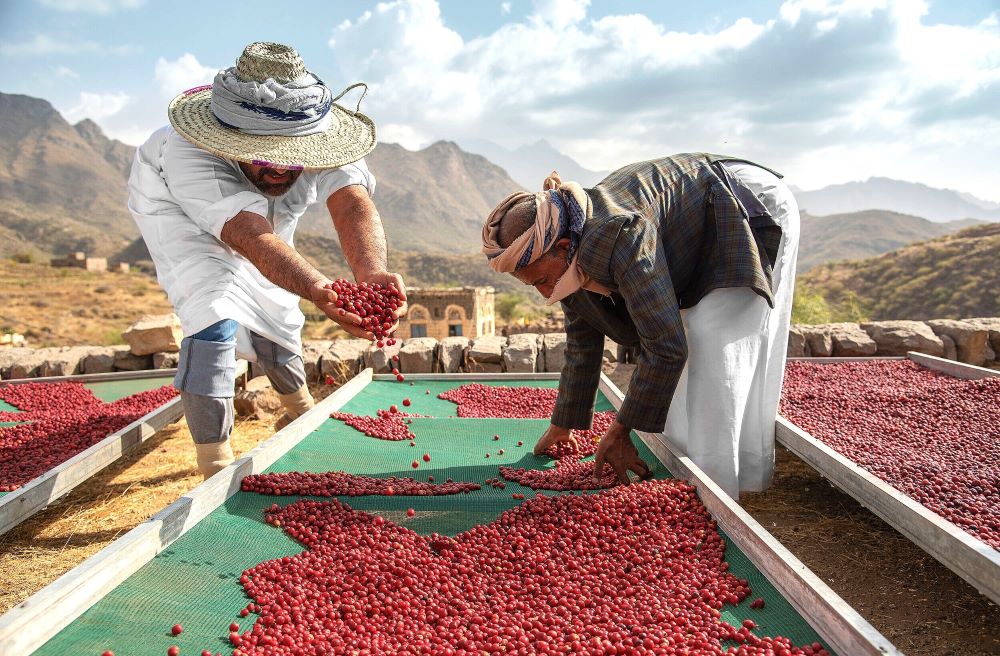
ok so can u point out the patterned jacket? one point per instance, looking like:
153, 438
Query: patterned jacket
661, 234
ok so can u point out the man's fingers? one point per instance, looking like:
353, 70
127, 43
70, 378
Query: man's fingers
620, 471
640, 468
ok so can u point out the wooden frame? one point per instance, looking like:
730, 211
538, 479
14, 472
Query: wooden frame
42, 490
93, 378
30, 624
971, 558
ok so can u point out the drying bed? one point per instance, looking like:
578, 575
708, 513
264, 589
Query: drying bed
184, 565
915, 440
113, 402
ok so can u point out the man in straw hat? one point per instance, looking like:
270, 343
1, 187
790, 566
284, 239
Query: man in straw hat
217, 195
691, 258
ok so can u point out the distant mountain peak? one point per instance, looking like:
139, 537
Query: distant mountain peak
884, 193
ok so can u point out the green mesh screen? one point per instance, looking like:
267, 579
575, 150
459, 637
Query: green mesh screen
194, 582
112, 390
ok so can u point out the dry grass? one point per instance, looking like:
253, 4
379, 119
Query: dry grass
65, 307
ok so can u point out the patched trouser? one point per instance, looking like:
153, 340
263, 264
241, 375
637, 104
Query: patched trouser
206, 377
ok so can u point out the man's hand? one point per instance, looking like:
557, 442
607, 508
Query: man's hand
553, 435
325, 299
616, 449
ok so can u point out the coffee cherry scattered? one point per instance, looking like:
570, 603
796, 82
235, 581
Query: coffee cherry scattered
176, 629
234, 626
329, 380
385, 425
173, 650
415, 464
406, 403
400, 377
651, 549
427, 457
931, 436
393, 408
410, 512
757, 603
107, 652
337, 483
375, 304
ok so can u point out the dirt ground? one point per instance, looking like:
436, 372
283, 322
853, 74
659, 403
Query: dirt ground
912, 599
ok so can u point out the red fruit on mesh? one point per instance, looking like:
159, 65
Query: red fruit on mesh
61, 420
384, 426
337, 483
645, 547
929, 435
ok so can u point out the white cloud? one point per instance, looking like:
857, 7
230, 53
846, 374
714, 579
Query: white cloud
96, 106
66, 72
177, 75
93, 6
504, 8
871, 76
46, 44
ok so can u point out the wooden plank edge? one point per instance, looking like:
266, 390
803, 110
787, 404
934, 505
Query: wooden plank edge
951, 367
95, 378
42, 490
964, 554
29, 625
836, 621
111, 376
471, 376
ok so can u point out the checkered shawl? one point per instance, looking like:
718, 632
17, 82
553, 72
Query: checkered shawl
662, 234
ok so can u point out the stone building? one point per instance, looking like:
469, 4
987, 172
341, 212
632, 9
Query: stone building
448, 312
79, 260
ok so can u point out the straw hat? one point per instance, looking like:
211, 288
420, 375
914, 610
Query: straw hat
350, 136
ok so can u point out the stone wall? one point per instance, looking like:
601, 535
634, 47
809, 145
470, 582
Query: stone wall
974, 341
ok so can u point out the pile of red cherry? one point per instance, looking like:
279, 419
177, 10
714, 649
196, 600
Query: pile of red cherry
61, 420
631, 570
386, 425
375, 304
931, 436
566, 475
336, 483
475, 400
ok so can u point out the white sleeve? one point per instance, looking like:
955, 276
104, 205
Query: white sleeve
332, 180
206, 186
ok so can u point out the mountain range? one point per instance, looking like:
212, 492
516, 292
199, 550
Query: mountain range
897, 196
64, 189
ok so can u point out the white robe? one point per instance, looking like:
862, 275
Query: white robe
723, 411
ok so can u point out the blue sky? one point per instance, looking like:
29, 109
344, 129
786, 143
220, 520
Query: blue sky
824, 90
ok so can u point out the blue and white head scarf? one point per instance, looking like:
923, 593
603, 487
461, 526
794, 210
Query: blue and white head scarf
296, 108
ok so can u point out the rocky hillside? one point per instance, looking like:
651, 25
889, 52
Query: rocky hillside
64, 189
860, 235
948, 277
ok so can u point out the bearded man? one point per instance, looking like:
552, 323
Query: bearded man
217, 196
689, 258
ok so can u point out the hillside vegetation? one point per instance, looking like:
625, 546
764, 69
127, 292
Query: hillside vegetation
954, 276
860, 235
